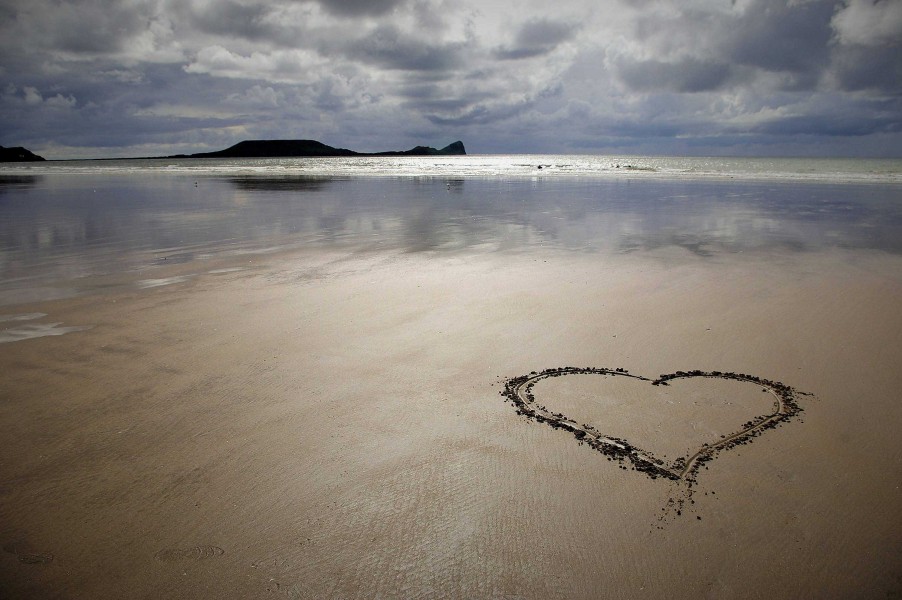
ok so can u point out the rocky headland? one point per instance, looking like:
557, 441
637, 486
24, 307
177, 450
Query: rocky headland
313, 148
18, 154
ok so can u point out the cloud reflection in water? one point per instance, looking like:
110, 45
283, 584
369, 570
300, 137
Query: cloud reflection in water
64, 227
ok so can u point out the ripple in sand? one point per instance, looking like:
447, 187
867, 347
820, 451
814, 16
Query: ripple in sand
171, 555
27, 554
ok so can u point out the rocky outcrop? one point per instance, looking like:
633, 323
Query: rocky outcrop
313, 148
457, 148
18, 154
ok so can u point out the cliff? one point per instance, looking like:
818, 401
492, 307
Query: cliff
312, 148
17, 154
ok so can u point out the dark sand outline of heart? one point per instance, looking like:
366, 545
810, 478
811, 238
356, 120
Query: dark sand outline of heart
519, 390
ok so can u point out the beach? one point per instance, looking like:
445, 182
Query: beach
325, 417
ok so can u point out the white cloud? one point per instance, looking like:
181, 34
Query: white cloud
285, 66
257, 97
184, 111
32, 95
869, 22
60, 101
124, 75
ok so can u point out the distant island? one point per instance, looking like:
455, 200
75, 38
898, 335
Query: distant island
268, 149
18, 154
312, 148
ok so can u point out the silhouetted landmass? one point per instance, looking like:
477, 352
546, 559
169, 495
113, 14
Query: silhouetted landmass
312, 148
18, 154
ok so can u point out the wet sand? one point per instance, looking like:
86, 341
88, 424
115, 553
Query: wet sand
330, 424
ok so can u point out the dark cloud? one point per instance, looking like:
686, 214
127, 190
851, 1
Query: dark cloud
777, 35
688, 75
785, 39
117, 114
88, 26
391, 48
355, 8
97, 28
654, 128
535, 38
441, 99
488, 112
859, 68
227, 17
491, 112
97, 103
831, 125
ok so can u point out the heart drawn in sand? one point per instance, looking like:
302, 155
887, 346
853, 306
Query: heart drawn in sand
519, 391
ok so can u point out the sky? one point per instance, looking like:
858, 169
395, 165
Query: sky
108, 78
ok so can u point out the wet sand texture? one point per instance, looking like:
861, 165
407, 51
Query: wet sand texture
327, 424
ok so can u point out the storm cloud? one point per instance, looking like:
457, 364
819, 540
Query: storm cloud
143, 77
535, 38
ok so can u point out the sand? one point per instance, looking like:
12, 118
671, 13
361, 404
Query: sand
330, 424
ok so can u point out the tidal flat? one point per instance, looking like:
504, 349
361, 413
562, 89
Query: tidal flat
293, 387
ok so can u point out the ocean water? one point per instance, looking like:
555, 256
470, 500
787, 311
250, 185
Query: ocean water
65, 224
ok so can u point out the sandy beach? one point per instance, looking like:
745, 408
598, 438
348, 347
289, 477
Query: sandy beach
329, 423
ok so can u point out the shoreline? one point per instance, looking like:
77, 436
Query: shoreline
498, 167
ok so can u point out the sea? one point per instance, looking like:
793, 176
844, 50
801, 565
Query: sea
71, 228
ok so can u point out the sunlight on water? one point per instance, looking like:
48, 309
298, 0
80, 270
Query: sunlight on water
504, 166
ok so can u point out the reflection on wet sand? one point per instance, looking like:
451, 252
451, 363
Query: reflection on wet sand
280, 184
36, 330
62, 228
17, 182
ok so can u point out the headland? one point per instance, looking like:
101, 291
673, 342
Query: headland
313, 148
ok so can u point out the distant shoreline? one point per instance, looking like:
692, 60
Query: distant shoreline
256, 149
299, 149
313, 148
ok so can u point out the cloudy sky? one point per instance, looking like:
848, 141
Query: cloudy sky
94, 78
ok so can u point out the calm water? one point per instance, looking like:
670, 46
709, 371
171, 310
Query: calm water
63, 224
